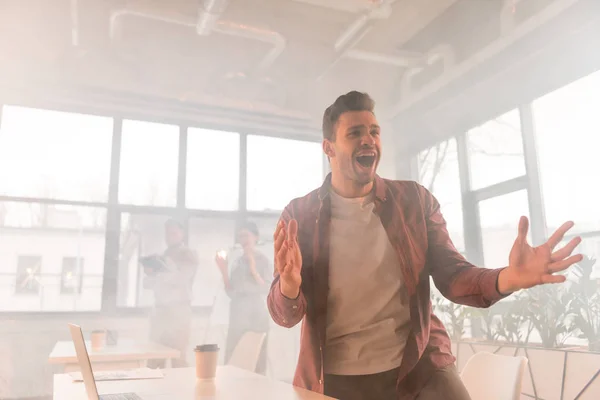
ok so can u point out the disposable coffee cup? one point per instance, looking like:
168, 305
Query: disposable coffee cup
98, 339
207, 356
205, 389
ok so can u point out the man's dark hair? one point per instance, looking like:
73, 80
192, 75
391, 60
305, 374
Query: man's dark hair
351, 101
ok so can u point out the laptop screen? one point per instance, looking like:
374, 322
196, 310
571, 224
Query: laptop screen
84, 362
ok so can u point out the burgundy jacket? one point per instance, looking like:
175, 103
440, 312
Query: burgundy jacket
412, 219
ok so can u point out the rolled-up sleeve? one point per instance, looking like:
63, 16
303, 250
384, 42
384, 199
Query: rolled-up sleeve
285, 312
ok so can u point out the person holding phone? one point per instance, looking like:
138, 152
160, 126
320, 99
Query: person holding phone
171, 276
247, 285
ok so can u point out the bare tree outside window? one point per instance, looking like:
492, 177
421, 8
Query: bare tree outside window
438, 172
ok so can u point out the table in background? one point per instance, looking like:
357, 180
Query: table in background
180, 383
126, 354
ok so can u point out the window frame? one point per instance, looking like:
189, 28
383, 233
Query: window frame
61, 110
114, 208
324, 171
64, 291
37, 275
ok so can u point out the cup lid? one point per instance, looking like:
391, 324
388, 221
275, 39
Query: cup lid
207, 347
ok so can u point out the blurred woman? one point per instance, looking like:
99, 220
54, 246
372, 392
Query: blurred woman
171, 276
247, 285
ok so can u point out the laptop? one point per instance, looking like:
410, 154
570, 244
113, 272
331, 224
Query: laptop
86, 370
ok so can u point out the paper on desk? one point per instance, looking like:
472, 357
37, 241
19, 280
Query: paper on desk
140, 373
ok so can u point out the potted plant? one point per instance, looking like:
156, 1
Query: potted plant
452, 315
488, 323
514, 326
585, 306
548, 309
555, 313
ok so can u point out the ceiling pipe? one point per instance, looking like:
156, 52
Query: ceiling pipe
346, 42
209, 13
340, 56
380, 10
443, 52
275, 39
205, 25
403, 59
140, 11
548, 13
355, 32
351, 32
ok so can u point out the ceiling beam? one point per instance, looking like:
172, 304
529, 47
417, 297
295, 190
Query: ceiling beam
549, 13
539, 64
409, 17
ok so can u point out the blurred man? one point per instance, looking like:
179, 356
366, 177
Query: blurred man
171, 277
353, 261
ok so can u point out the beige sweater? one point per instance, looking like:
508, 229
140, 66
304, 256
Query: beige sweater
367, 324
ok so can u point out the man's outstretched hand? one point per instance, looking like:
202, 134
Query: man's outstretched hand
288, 260
531, 266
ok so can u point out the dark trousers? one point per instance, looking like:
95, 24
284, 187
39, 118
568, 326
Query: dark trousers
444, 384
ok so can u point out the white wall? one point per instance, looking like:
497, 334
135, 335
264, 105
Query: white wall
52, 247
394, 163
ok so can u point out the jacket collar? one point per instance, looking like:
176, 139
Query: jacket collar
379, 187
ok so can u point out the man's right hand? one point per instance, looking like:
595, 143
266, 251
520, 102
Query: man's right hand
288, 260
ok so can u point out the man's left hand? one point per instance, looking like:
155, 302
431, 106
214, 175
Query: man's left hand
531, 266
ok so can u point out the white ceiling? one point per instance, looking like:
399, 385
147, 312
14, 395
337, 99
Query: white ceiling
286, 57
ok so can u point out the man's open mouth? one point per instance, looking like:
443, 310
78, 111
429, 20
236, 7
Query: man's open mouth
366, 160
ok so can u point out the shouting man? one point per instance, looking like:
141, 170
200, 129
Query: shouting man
353, 261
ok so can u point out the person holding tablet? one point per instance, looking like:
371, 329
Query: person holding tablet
171, 276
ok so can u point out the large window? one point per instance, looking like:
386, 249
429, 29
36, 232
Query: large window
438, 172
144, 235
41, 244
207, 236
499, 218
53, 247
280, 170
266, 227
56, 155
83, 198
568, 140
141, 235
213, 170
148, 169
496, 151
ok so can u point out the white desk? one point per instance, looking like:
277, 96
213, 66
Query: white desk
180, 383
127, 354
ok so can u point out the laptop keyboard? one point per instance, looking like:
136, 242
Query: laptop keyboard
120, 396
